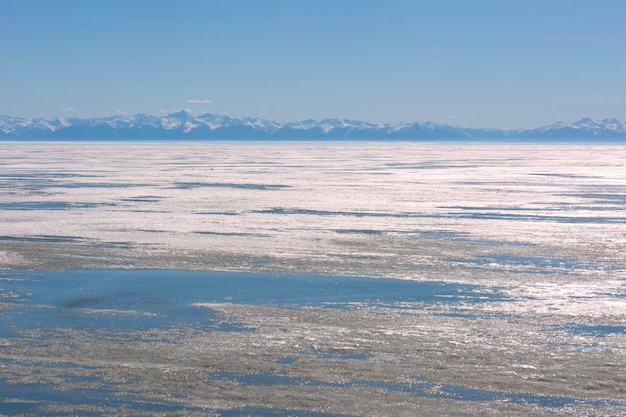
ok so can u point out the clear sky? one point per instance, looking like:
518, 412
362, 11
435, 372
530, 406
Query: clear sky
472, 63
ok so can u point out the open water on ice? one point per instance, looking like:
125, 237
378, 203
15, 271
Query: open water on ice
143, 299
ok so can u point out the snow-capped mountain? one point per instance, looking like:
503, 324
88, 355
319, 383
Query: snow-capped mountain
184, 125
584, 128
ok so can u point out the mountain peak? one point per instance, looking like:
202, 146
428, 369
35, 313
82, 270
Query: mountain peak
181, 114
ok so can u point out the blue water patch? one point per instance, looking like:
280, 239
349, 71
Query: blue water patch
230, 185
533, 262
596, 330
36, 205
34, 397
142, 199
49, 205
360, 231
96, 185
487, 208
66, 240
274, 412
286, 361
443, 235
36, 183
143, 299
420, 388
236, 234
217, 213
539, 218
40, 175
309, 212
566, 175
39, 180
43, 239
606, 198
475, 215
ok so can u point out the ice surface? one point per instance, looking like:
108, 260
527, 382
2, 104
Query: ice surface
533, 235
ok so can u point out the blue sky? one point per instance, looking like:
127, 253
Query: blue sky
480, 63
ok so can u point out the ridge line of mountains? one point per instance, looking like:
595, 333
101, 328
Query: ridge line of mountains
183, 125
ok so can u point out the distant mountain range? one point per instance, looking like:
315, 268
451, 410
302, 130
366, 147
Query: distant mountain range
183, 125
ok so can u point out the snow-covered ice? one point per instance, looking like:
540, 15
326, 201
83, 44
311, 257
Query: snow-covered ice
532, 235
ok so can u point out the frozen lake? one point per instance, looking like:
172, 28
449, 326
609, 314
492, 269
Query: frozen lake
273, 279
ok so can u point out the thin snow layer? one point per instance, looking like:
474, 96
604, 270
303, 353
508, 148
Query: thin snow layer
522, 214
534, 220
538, 232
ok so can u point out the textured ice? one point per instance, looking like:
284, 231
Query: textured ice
524, 245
